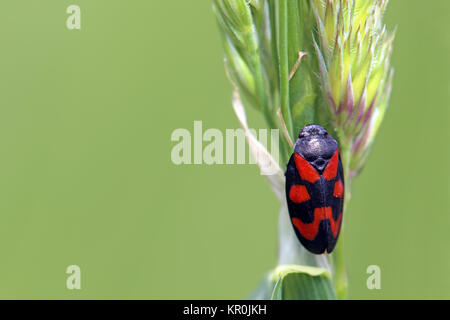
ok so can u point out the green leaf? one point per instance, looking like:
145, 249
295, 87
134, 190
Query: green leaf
294, 282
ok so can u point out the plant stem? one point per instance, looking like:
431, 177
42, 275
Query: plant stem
283, 57
340, 274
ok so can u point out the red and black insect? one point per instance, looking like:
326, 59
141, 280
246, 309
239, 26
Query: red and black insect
315, 189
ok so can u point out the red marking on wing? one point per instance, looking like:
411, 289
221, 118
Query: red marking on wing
331, 169
306, 171
309, 230
299, 194
338, 189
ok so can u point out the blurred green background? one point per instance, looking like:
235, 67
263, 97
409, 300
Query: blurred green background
86, 177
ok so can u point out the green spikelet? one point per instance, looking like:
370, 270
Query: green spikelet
353, 50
